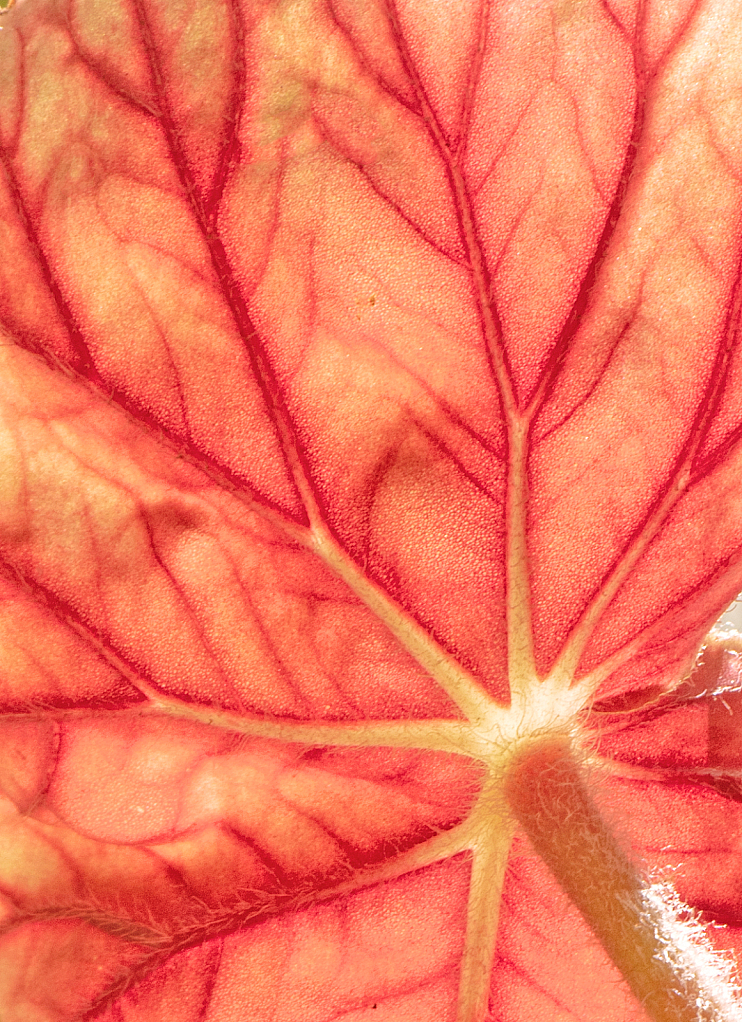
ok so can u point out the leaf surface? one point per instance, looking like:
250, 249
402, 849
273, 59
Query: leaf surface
369, 404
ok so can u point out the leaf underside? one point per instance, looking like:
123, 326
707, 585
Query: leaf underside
369, 408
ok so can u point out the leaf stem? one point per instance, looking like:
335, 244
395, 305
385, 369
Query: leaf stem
663, 957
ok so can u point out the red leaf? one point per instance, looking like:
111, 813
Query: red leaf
369, 412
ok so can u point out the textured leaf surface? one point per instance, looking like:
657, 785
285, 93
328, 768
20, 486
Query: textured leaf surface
369, 401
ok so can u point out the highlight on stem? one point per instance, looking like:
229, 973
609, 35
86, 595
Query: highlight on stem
654, 940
